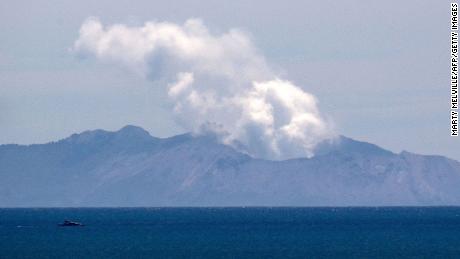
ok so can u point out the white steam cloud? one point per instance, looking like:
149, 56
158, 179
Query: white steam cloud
216, 83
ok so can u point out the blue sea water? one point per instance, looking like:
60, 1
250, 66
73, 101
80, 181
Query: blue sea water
231, 233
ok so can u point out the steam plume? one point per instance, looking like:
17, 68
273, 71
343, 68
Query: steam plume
219, 83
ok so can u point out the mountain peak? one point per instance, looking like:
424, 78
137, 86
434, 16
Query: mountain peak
133, 131
128, 133
344, 144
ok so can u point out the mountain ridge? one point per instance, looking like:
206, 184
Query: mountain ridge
129, 167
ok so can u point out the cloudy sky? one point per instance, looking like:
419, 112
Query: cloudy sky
379, 70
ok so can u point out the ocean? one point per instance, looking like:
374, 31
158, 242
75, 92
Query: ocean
393, 232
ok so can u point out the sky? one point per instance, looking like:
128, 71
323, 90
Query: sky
379, 70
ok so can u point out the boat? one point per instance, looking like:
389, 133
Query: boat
68, 223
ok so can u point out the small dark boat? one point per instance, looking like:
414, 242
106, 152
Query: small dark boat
68, 223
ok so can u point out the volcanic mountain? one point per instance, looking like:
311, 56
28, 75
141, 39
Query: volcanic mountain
129, 167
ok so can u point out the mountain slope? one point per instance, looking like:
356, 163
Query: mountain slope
131, 168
